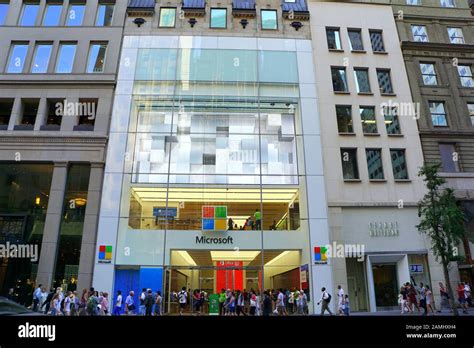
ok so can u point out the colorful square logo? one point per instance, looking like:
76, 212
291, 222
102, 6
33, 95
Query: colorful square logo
320, 255
105, 253
214, 218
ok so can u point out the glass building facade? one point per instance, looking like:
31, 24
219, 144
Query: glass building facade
210, 159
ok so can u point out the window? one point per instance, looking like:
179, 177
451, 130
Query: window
399, 164
344, 119
455, 35
361, 76
87, 115
367, 117
218, 18
105, 14
167, 17
75, 14
52, 14
54, 116
29, 14
16, 61
339, 80
41, 58
414, 2
449, 158
470, 108
333, 37
28, 118
374, 164
269, 19
392, 124
447, 3
438, 114
376, 40
355, 39
428, 74
419, 33
66, 55
385, 82
465, 74
6, 107
350, 170
3, 12
96, 60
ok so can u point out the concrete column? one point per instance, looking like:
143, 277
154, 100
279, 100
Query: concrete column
403, 270
16, 114
370, 285
89, 233
52, 225
68, 122
41, 115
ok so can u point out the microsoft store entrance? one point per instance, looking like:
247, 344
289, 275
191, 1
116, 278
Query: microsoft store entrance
211, 271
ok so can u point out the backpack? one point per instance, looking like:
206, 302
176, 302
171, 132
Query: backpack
182, 294
90, 304
329, 298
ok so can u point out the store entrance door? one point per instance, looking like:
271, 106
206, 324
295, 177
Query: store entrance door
385, 284
229, 275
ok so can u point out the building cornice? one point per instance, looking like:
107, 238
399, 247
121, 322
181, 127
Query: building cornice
445, 48
370, 204
96, 140
446, 133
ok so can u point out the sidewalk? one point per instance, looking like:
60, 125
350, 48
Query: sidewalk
397, 312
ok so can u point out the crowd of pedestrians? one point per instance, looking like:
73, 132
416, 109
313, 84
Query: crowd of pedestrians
69, 303
414, 298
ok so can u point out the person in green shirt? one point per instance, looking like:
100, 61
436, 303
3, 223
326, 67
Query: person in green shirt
258, 219
222, 297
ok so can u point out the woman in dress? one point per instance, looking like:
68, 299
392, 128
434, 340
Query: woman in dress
429, 300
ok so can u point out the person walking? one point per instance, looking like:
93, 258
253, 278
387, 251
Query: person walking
55, 305
240, 303
267, 304
467, 294
428, 300
325, 300
346, 306
104, 304
443, 293
158, 302
42, 300
221, 302
142, 302
92, 303
340, 299
36, 298
300, 302
67, 304
182, 299
83, 303
462, 298
118, 304
130, 304
253, 303
149, 302
197, 301
280, 303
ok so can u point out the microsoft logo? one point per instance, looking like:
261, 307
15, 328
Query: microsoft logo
105, 253
214, 218
320, 256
